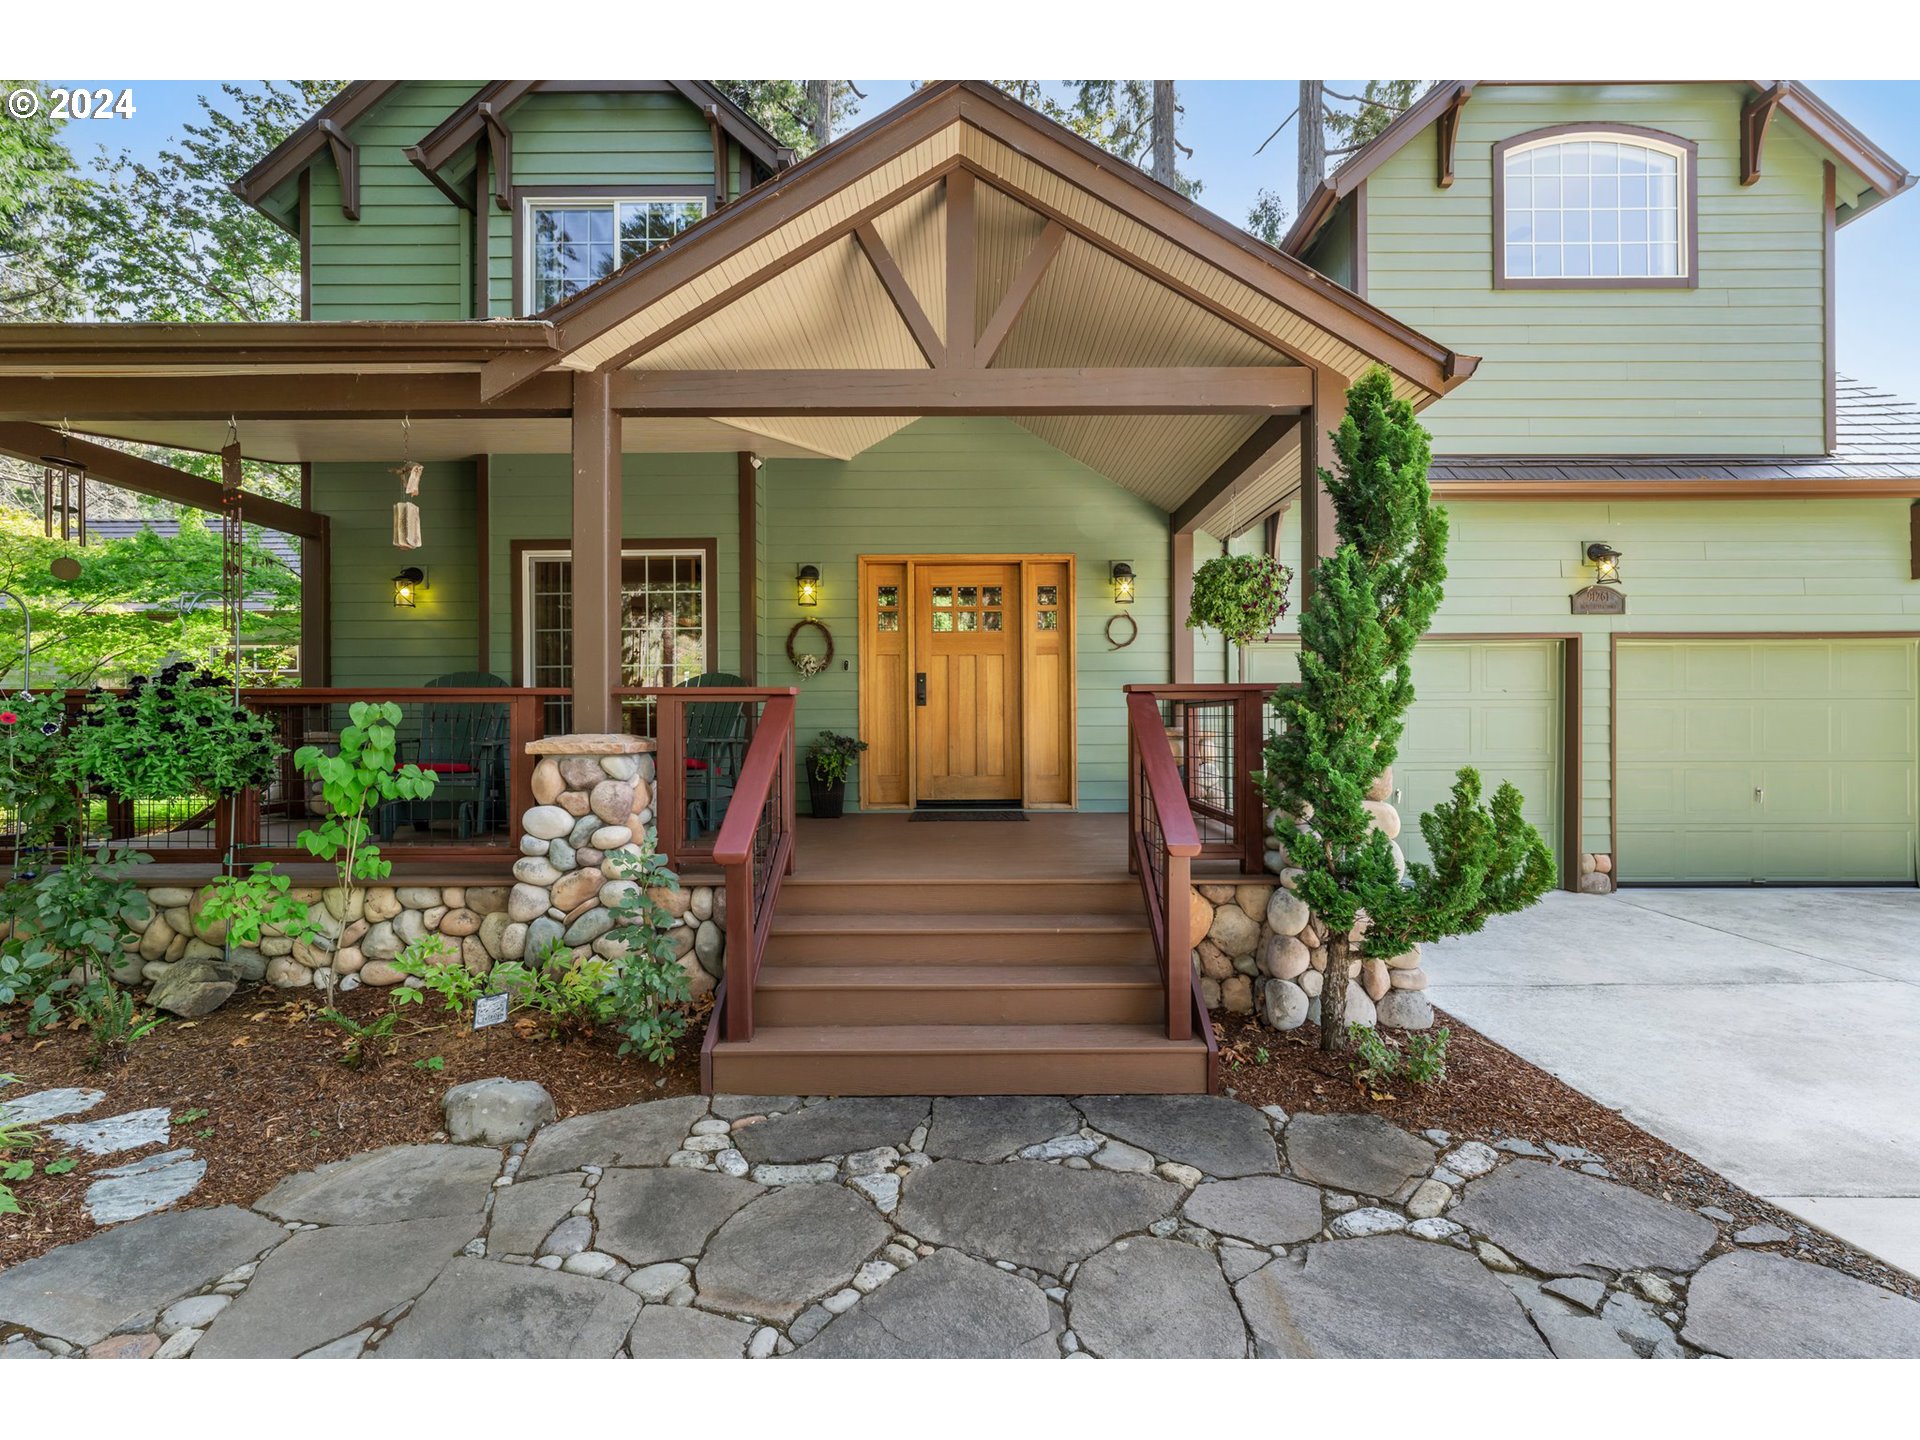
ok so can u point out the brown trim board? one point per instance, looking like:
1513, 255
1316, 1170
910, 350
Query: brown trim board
746, 473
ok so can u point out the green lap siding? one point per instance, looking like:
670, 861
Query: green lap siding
1737, 365
407, 256
374, 641
955, 487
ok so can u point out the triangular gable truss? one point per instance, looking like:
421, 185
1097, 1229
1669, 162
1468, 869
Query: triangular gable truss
847, 270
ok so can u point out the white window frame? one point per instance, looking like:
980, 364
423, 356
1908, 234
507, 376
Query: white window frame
531, 203
1686, 207
529, 558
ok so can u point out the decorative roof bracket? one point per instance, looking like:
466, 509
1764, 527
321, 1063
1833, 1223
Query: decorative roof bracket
500, 148
1755, 118
346, 160
1446, 134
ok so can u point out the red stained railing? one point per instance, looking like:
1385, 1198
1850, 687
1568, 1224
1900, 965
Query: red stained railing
755, 849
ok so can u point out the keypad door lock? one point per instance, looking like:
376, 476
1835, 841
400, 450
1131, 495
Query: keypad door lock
919, 687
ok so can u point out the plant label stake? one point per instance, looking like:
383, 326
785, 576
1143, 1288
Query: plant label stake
490, 1010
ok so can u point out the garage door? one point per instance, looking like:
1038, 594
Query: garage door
1766, 760
1495, 706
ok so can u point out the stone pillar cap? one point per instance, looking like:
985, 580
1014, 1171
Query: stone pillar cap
591, 745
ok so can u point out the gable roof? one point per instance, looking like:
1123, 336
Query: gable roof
1021, 137
464, 127
1877, 453
1884, 175
302, 147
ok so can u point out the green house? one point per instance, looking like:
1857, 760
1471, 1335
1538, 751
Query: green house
617, 422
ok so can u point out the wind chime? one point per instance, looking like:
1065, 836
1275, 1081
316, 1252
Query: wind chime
406, 514
233, 589
63, 499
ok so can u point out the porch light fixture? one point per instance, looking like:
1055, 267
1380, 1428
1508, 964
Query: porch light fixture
1605, 561
1122, 573
806, 585
407, 585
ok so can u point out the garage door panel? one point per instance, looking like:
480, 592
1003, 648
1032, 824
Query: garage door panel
1877, 728
1795, 761
1494, 706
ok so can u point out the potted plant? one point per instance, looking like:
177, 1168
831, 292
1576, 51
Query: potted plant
829, 762
1241, 596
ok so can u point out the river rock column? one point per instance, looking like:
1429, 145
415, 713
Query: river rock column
593, 802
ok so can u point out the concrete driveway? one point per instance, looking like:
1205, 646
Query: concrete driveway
1774, 1034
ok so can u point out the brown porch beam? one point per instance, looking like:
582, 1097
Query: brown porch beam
961, 242
1026, 280
146, 477
1175, 391
1913, 539
596, 553
368, 395
905, 302
747, 474
1258, 453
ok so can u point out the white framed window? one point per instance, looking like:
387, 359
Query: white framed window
570, 242
666, 626
1578, 208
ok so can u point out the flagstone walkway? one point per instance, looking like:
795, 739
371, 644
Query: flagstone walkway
1024, 1226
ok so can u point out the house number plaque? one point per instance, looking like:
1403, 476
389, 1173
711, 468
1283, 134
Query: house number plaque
1599, 600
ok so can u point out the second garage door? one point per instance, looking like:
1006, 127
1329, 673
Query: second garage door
1766, 760
1494, 705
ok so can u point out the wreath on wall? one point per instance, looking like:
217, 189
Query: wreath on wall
807, 662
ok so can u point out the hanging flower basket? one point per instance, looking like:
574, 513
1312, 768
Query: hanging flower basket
180, 732
1241, 596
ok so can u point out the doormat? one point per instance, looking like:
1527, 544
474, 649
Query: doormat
968, 815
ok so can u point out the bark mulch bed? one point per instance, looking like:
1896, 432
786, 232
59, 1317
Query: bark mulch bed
266, 1072
1492, 1094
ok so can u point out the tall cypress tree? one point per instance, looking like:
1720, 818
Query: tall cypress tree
1372, 600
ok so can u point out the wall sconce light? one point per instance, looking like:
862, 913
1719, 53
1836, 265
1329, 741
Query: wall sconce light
807, 585
1122, 575
1605, 561
407, 585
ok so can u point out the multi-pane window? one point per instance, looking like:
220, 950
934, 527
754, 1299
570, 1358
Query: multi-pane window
572, 243
663, 624
1580, 208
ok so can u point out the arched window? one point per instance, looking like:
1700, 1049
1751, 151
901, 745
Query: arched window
1587, 207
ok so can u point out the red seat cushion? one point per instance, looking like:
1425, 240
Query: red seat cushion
446, 767
693, 764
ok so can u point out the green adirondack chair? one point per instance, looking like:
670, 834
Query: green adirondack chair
715, 743
464, 744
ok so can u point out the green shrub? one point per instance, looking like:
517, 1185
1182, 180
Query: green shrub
650, 990
435, 964
37, 794
570, 992
112, 1017
1378, 1062
68, 917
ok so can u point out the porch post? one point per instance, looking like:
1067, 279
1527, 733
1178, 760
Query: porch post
1319, 533
747, 479
596, 553
1180, 601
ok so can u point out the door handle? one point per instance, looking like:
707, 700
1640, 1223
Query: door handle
920, 687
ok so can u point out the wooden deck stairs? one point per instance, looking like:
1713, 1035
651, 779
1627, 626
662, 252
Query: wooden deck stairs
950, 986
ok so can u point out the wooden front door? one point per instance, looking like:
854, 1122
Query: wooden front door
967, 682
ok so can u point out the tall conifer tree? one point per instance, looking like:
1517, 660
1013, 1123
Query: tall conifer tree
1340, 731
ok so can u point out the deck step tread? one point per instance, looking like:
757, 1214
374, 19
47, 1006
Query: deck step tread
920, 923
956, 1039
947, 976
